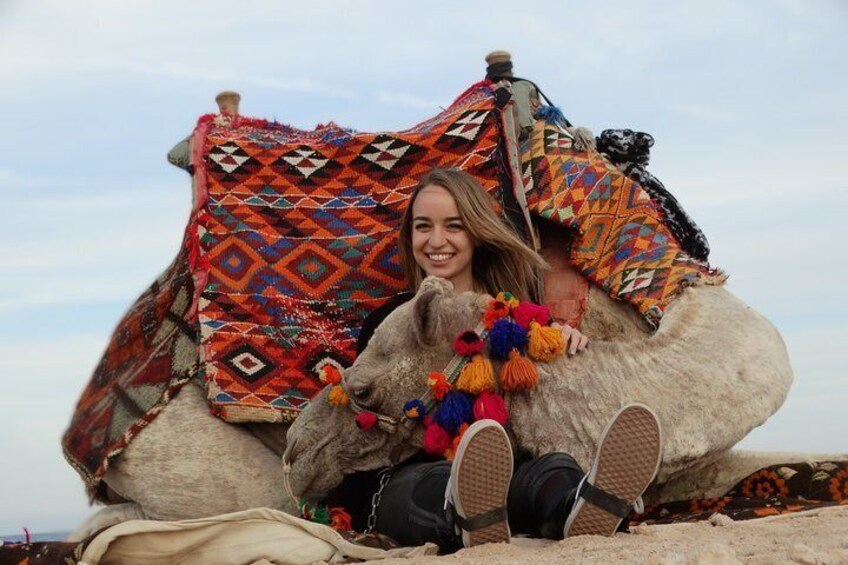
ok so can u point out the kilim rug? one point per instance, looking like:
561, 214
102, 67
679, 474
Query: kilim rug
620, 241
779, 489
297, 234
152, 353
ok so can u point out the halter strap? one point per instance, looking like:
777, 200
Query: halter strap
452, 370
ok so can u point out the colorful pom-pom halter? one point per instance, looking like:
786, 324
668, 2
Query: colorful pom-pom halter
468, 388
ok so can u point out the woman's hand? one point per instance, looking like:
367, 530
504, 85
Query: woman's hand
575, 341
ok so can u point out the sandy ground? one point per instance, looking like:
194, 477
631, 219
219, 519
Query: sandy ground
815, 537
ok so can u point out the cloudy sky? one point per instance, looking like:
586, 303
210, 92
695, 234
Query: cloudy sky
746, 102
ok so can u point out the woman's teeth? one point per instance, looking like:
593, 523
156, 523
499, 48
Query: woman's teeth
440, 256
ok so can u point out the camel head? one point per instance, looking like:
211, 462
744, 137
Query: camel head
325, 443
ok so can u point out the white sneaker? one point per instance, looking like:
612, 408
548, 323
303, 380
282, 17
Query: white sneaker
479, 483
626, 462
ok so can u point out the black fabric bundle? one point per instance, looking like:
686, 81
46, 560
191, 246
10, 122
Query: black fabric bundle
630, 151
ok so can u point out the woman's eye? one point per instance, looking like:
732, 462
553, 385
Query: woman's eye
455, 227
420, 227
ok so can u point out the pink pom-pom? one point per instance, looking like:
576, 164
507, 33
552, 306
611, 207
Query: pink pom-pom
366, 420
528, 312
491, 406
436, 439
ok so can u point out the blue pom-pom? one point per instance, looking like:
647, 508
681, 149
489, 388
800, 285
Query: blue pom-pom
456, 409
552, 115
415, 410
505, 336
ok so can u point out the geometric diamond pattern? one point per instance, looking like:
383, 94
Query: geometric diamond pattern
248, 363
296, 240
621, 244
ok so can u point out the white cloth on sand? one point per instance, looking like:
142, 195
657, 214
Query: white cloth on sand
240, 537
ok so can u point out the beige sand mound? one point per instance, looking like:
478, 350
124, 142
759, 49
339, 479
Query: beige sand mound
815, 537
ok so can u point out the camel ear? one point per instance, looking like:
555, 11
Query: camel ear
427, 321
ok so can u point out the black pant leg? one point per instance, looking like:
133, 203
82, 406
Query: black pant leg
412, 509
542, 493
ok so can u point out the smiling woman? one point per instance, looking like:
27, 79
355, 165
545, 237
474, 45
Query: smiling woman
451, 230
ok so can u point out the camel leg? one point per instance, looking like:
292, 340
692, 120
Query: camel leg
188, 464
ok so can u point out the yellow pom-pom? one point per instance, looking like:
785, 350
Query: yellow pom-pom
338, 396
509, 298
545, 343
518, 373
477, 376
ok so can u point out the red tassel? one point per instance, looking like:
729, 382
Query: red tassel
436, 439
491, 406
528, 312
340, 520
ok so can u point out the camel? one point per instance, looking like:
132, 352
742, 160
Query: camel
714, 370
168, 474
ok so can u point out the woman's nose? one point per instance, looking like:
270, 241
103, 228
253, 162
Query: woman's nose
437, 237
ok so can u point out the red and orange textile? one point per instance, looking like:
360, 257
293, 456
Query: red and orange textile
774, 490
152, 354
620, 242
297, 234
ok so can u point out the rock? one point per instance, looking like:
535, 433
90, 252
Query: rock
720, 520
801, 553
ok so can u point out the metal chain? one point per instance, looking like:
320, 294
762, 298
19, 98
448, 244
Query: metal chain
377, 497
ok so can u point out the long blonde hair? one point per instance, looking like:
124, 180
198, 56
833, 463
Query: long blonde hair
501, 262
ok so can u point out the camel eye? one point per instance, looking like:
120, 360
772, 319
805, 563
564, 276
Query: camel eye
361, 394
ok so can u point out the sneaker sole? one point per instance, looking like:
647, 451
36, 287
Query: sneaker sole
481, 479
627, 461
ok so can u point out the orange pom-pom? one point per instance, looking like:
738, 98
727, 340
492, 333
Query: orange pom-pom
477, 375
545, 342
462, 429
438, 384
498, 307
489, 318
338, 396
518, 373
329, 375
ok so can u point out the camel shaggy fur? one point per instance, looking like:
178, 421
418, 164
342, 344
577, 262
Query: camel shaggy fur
714, 370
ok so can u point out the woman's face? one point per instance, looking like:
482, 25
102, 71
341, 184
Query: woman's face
440, 244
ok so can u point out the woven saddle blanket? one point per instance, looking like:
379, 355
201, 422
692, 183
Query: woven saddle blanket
296, 238
620, 240
292, 242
